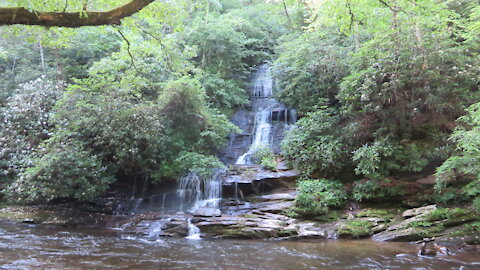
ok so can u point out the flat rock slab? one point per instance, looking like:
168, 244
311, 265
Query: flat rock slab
278, 196
276, 207
261, 175
207, 212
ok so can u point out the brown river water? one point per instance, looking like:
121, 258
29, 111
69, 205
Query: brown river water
25, 246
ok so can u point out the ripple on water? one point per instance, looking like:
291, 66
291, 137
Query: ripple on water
26, 247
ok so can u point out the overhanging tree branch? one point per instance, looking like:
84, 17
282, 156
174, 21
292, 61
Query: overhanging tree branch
21, 15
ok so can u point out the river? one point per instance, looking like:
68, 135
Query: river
24, 246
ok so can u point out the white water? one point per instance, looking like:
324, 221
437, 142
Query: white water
155, 229
195, 192
193, 231
263, 89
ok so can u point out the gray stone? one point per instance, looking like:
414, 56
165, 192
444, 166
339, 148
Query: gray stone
207, 212
419, 211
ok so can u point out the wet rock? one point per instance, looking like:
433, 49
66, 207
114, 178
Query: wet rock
419, 211
248, 179
278, 196
313, 230
433, 249
207, 212
249, 227
408, 234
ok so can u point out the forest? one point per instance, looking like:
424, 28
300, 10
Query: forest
96, 94
380, 97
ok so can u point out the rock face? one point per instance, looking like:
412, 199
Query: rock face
244, 180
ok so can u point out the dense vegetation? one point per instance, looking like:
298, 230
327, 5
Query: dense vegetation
383, 99
380, 97
85, 108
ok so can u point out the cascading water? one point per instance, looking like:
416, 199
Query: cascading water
193, 231
263, 104
155, 229
195, 192
270, 116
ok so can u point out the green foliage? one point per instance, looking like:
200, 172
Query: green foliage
314, 145
392, 83
465, 162
315, 197
225, 94
383, 157
376, 190
450, 195
310, 67
420, 223
229, 43
476, 204
445, 213
65, 170
356, 228
202, 165
264, 156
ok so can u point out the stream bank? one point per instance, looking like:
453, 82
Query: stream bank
264, 211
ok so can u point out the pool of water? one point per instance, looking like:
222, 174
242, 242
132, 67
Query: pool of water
25, 246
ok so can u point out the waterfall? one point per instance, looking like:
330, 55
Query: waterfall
195, 192
263, 102
193, 231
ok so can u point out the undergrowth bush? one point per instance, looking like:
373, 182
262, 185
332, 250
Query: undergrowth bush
264, 156
375, 190
315, 197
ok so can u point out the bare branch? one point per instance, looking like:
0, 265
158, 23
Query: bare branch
132, 59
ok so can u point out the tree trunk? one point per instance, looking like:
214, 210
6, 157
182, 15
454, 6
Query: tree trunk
60, 78
419, 36
395, 34
286, 13
42, 55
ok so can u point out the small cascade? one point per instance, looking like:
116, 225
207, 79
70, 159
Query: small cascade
136, 204
155, 229
193, 231
195, 192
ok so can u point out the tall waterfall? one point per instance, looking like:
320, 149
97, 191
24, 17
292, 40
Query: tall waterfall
263, 103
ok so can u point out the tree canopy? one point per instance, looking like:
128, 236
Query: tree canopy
386, 91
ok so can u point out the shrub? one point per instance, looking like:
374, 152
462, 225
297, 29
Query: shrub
374, 190
25, 125
315, 147
202, 165
66, 170
476, 204
315, 197
384, 157
265, 157
465, 163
